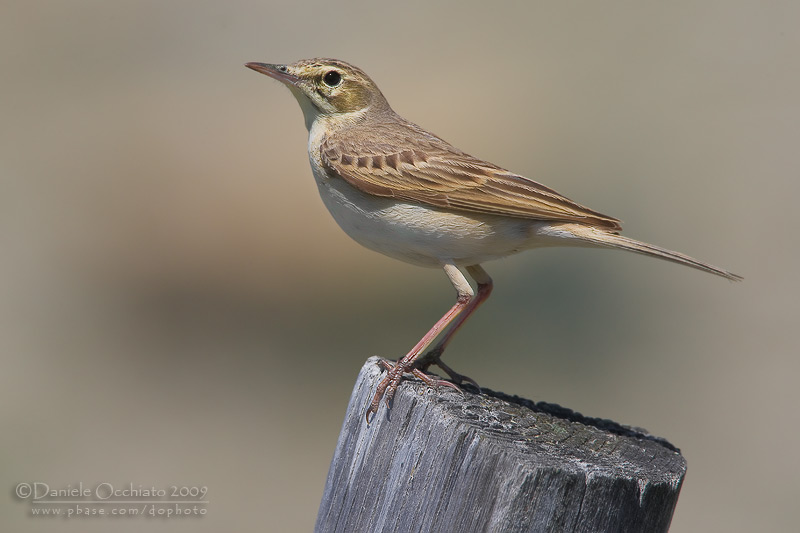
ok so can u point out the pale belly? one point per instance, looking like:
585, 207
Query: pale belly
423, 235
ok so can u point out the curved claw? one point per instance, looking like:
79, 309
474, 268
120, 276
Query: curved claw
388, 386
433, 382
434, 358
455, 376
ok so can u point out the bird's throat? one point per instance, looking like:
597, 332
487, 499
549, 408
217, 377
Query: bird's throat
310, 111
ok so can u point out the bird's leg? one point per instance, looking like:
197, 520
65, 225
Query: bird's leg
388, 385
433, 356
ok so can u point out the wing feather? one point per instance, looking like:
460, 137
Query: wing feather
437, 174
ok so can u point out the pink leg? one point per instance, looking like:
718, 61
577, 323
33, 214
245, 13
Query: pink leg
485, 286
389, 384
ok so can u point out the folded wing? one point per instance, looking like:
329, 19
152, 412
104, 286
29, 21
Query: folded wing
434, 172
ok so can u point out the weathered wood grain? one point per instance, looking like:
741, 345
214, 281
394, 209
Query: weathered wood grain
440, 461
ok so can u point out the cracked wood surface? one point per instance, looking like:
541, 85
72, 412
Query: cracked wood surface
440, 461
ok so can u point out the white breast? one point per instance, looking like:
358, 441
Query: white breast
416, 233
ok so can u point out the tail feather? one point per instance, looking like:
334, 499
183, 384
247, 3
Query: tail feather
600, 237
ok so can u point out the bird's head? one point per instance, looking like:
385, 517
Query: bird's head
326, 87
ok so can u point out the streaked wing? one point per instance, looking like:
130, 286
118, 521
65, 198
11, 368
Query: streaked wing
438, 174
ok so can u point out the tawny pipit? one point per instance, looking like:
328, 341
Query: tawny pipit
404, 192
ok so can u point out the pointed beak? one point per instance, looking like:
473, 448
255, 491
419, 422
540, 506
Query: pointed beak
279, 72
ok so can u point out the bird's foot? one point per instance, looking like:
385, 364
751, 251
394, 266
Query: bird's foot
388, 385
434, 357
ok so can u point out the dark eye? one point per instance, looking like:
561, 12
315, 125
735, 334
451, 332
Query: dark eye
332, 78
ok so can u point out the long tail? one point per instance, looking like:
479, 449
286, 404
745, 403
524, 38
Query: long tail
600, 237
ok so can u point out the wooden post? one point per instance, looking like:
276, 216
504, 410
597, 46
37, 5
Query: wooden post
440, 461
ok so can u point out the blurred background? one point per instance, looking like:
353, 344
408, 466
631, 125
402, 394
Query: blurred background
178, 308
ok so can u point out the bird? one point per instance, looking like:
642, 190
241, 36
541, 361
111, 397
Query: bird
400, 190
